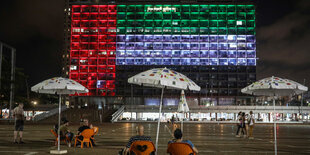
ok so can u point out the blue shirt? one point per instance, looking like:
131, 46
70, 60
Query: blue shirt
183, 141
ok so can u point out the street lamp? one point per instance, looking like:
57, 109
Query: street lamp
34, 102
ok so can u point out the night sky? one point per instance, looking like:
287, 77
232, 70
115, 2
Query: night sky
35, 29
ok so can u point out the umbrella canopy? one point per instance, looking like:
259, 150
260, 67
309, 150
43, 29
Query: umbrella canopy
183, 107
59, 85
274, 86
163, 77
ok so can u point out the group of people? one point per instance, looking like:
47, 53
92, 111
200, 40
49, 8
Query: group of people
245, 125
66, 134
141, 137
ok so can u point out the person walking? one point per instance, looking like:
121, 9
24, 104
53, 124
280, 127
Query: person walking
172, 120
251, 125
243, 126
246, 123
238, 124
18, 114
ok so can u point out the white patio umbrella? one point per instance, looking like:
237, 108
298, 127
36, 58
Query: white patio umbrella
59, 86
274, 86
163, 78
183, 107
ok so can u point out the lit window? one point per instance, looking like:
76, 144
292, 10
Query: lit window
73, 67
231, 37
239, 22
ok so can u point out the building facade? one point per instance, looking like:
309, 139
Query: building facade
212, 42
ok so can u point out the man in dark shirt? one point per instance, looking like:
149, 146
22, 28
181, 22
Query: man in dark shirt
85, 126
18, 114
139, 137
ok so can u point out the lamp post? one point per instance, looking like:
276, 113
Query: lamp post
13, 58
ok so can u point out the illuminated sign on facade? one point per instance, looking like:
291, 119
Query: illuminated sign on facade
104, 36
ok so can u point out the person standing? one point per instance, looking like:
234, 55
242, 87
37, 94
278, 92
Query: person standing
251, 125
238, 124
243, 126
172, 120
246, 123
18, 114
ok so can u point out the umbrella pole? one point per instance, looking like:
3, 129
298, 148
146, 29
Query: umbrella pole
131, 102
274, 126
59, 122
159, 116
182, 122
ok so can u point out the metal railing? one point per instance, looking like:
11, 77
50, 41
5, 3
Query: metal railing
50, 113
218, 109
117, 114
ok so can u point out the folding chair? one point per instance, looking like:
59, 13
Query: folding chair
180, 149
86, 134
56, 135
142, 148
96, 130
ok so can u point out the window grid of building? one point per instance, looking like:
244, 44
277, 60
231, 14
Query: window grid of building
186, 35
93, 48
214, 45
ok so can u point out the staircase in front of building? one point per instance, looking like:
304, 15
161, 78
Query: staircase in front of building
75, 115
48, 114
117, 114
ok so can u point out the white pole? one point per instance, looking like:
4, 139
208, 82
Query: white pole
274, 126
182, 122
131, 102
302, 102
159, 116
59, 123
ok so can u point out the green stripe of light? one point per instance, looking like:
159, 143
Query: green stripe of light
186, 19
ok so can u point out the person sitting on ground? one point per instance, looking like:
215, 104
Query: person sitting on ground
139, 137
178, 138
66, 133
86, 125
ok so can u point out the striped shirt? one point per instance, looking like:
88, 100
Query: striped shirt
138, 138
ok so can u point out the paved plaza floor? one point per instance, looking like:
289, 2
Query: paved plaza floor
208, 138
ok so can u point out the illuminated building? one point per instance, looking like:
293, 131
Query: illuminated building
214, 44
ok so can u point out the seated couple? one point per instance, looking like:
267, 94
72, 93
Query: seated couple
140, 137
65, 133
85, 126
